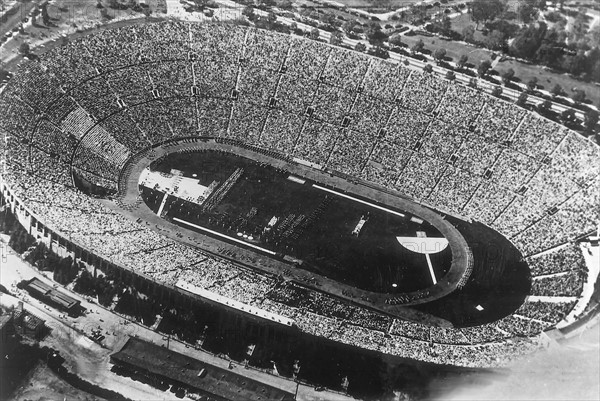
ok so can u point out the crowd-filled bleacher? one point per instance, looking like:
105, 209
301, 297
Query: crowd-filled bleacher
92, 103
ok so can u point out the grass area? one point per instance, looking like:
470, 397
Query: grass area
378, 4
453, 49
464, 20
547, 79
523, 72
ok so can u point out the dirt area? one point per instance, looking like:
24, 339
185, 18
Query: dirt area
43, 384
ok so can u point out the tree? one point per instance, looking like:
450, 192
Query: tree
375, 35
496, 40
267, 4
450, 76
395, 40
462, 61
551, 50
360, 47
468, 33
103, 13
286, 5
594, 66
485, 10
380, 52
575, 64
522, 99
20, 240
595, 33
541, 5
428, 68
336, 38
568, 116
578, 96
527, 12
578, 28
532, 84
484, 68
65, 270
446, 25
544, 106
439, 54
590, 120
417, 14
45, 16
349, 26
314, 34
418, 47
248, 12
24, 49
473, 82
38, 253
84, 283
507, 76
497, 91
327, 19
528, 41
557, 90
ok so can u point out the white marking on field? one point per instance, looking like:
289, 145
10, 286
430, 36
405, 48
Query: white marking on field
224, 236
162, 204
430, 269
358, 200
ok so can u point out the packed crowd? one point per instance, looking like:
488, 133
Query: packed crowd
101, 99
521, 326
461, 105
545, 312
567, 284
560, 260
498, 120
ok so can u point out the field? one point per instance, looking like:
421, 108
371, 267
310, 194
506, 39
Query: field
324, 243
499, 283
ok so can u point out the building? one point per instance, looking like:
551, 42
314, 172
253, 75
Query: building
158, 363
52, 296
29, 325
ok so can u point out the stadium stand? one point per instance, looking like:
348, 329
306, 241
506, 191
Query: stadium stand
534, 181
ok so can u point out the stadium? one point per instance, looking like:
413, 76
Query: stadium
307, 185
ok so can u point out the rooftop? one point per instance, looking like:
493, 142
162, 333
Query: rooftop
216, 381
